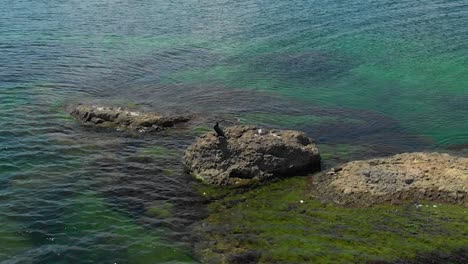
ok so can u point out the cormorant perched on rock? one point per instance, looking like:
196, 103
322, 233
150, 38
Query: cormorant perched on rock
219, 131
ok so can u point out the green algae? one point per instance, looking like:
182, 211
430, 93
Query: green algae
287, 226
200, 130
159, 152
132, 105
160, 209
90, 217
12, 242
211, 192
169, 172
58, 107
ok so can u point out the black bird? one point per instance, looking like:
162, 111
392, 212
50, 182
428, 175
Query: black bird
219, 131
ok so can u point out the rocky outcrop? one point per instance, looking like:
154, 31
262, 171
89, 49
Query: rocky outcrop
123, 118
250, 154
403, 177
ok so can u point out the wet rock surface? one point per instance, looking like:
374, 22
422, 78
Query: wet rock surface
122, 118
403, 177
250, 154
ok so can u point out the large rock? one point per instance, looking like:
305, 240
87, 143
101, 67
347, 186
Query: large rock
250, 154
123, 118
403, 177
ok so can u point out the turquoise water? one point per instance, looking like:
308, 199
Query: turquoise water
387, 76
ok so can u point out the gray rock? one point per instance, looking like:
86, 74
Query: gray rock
249, 155
407, 176
122, 118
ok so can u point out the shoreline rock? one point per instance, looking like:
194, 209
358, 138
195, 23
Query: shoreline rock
250, 154
399, 178
122, 118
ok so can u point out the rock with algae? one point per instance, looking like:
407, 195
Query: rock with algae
407, 176
250, 154
281, 223
122, 118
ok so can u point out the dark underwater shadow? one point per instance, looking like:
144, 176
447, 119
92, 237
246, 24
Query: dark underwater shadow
303, 67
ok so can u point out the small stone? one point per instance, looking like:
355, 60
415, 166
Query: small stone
409, 181
366, 173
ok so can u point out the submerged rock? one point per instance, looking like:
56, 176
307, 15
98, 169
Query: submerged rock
249, 154
403, 177
125, 119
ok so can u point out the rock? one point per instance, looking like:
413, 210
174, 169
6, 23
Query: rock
407, 176
124, 119
247, 156
409, 180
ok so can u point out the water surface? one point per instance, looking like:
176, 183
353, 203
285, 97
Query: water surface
383, 76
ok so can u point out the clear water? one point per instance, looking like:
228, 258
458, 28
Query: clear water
387, 75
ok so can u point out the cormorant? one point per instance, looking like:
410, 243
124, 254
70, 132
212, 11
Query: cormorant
219, 131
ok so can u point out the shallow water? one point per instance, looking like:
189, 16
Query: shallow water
381, 76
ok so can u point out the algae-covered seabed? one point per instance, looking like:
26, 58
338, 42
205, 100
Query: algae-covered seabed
282, 223
364, 78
